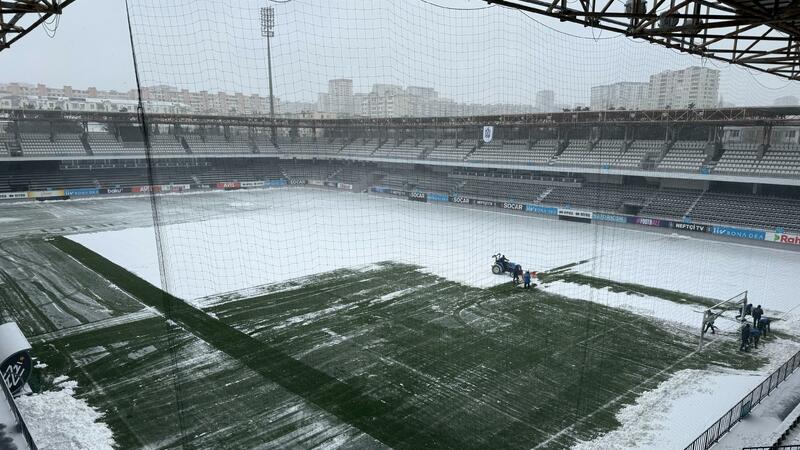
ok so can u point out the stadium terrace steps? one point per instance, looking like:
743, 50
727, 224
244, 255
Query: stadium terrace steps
166, 144
451, 150
748, 210
407, 149
684, 156
360, 147
40, 144
781, 160
103, 143
738, 159
670, 203
215, 144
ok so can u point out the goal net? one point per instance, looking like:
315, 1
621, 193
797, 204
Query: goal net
732, 309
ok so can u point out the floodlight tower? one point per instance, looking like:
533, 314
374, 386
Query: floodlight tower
268, 31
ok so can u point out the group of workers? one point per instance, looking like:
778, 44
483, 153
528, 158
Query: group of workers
525, 277
760, 328
750, 334
516, 272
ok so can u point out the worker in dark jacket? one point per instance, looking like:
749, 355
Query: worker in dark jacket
764, 325
745, 337
757, 313
746, 311
517, 274
527, 279
755, 334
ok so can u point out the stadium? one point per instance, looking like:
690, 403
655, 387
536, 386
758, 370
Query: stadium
489, 263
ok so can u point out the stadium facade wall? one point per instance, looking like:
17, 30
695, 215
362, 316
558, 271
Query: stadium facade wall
590, 216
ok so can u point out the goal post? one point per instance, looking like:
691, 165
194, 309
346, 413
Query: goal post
735, 304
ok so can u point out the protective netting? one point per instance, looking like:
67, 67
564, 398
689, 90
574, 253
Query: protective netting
450, 355
330, 285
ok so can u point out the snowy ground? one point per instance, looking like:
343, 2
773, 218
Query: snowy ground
58, 420
289, 233
769, 419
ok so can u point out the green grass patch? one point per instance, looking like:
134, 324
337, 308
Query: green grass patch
45, 290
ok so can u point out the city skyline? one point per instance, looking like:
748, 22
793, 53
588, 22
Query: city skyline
473, 56
695, 86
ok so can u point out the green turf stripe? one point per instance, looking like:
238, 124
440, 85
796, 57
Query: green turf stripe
375, 417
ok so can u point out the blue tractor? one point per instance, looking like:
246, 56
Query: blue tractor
502, 265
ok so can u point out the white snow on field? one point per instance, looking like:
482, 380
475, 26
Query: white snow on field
298, 232
59, 421
644, 305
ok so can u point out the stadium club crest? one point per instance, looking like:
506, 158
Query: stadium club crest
488, 132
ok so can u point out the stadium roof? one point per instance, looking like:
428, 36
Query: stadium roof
19, 17
760, 34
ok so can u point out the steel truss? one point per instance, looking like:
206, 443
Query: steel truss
19, 17
759, 34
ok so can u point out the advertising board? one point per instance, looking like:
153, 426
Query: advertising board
539, 209
604, 217
418, 196
574, 215
783, 238
742, 233
700, 228
513, 205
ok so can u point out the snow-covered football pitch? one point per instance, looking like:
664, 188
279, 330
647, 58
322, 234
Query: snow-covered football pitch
308, 317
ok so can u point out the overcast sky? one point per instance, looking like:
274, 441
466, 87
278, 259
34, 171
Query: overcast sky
484, 55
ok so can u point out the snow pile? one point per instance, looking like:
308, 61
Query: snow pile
59, 421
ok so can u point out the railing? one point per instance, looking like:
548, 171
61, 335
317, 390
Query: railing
21, 427
774, 447
742, 409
